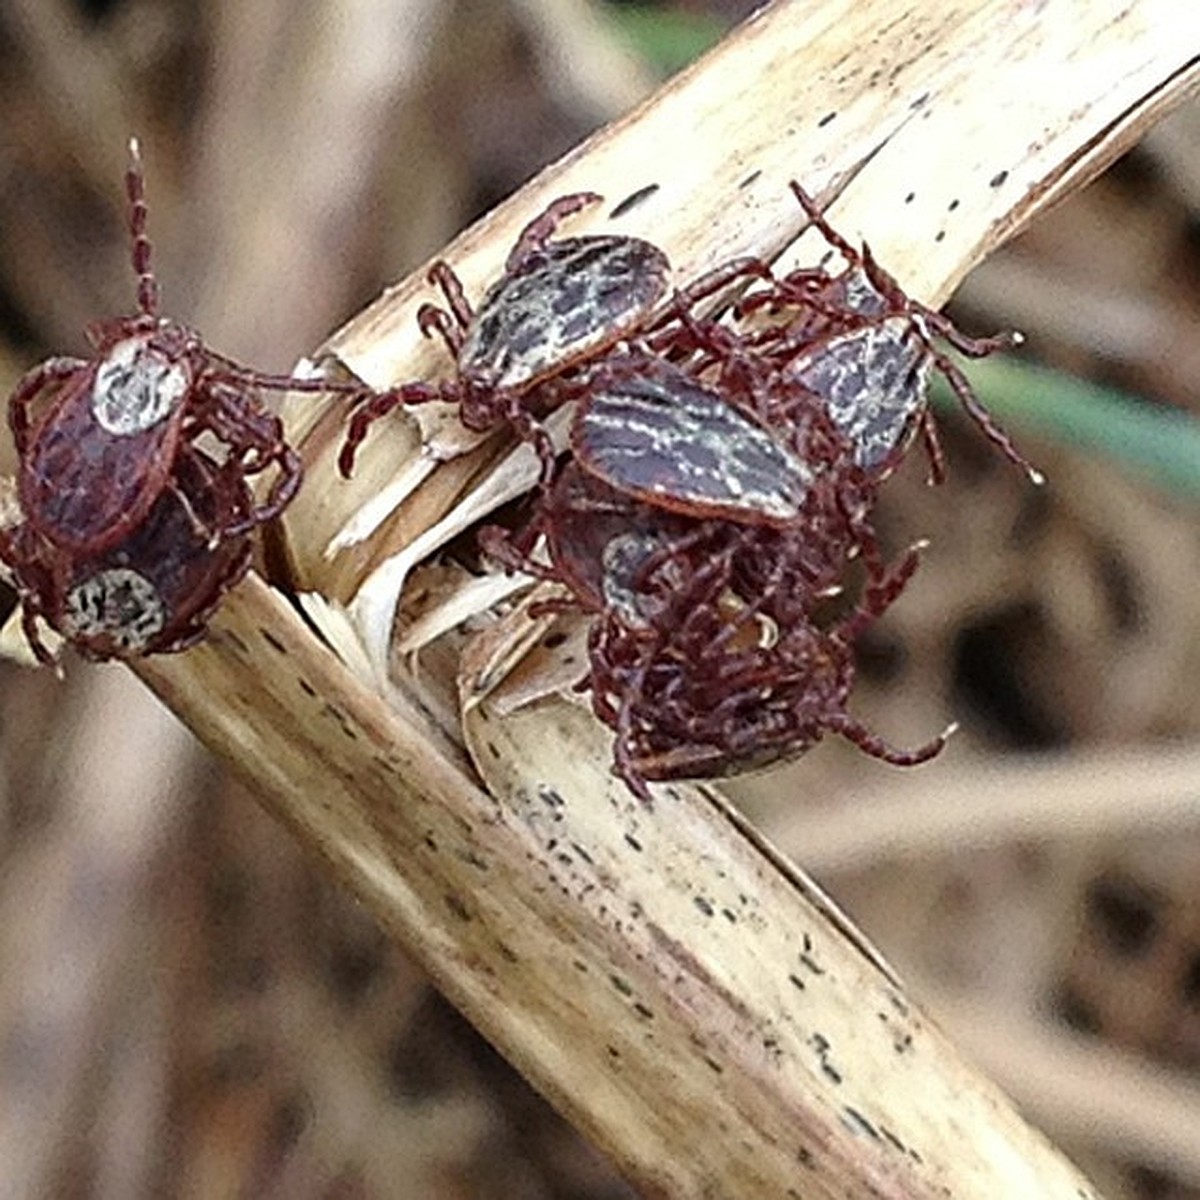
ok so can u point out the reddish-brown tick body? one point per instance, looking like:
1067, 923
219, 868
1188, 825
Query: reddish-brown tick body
108, 466
863, 346
648, 429
94, 463
150, 593
709, 654
559, 306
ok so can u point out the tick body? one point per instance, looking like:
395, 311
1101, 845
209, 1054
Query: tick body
732, 667
152, 592
709, 651
650, 430
866, 348
96, 460
560, 302
108, 465
873, 382
561, 305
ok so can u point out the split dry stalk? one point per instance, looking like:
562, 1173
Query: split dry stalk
681, 992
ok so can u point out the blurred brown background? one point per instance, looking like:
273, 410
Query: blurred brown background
187, 1008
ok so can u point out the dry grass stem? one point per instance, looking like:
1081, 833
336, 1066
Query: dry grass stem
664, 976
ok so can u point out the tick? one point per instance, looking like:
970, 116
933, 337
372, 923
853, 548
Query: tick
99, 439
560, 304
153, 591
651, 430
709, 651
866, 348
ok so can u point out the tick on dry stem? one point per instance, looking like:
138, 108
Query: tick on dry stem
559, 301
649, 429
153, 591
98, 438
101, 442
864, 346
708, 654
560, 305
712, 681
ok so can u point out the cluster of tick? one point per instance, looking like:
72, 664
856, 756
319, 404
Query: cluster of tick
134, 477
716, 495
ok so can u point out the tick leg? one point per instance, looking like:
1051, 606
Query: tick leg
29, 389
816, 216
719, 278
513, 553
18, 550
972, 347
880, 595
228, 373
271, 451
535, 235
677, 316
256, 442
530, 429
282, 492
870, 743
139, 243
552, 606
442, 275
236, 418
854, 507
883, 283
433, 320
801, 287
701, 342
29, 628
202, 530
36, 581
961, 386
624, 757
376, 406
933, 447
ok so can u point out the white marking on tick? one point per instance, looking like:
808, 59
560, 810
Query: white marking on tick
117, 603
136, 388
